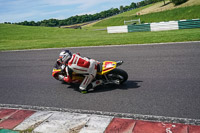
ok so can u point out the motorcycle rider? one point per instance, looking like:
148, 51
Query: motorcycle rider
80, 65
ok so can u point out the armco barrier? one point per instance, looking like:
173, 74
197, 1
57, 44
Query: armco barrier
161, 26
138, 28
189, 24
117, 29
172, 25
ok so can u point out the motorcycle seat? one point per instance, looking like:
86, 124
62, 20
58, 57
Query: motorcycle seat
99, 67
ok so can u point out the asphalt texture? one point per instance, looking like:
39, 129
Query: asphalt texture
164, 80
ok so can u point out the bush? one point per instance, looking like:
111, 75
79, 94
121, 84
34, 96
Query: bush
178, 2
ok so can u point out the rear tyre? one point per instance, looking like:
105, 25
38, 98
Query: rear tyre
118, 75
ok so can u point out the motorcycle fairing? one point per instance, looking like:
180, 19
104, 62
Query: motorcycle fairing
55, 71
107, 66
75, 78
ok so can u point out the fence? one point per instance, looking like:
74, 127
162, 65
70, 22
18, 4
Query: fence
131, 21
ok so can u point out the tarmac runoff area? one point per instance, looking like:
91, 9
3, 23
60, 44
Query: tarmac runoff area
25, 119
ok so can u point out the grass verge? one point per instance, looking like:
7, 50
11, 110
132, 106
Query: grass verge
16, 37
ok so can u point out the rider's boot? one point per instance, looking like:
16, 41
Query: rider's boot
83, 90
91, 86
94, 84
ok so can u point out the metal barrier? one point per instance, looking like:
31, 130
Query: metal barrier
161, 26
189, 24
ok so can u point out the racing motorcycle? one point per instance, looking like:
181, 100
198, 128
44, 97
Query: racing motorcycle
106, 71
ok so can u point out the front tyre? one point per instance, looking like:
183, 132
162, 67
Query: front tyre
117, 76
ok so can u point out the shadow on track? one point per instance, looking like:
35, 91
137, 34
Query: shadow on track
102, 88
127, 85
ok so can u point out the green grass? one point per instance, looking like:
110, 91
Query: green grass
190, 12
16, 37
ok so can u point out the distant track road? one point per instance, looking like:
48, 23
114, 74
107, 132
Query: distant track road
164, 80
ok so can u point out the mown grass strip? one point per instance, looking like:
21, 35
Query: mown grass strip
15, 37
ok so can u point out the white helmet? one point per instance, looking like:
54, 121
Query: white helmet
65, 55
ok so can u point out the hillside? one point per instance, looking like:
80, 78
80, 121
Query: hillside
156, 13
159, 7
125, 14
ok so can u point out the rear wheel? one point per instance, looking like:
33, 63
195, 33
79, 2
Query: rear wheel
118, 76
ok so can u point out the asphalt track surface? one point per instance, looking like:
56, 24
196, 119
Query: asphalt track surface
164, 80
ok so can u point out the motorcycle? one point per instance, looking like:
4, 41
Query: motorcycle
106, 71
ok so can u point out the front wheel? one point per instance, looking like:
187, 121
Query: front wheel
117, 76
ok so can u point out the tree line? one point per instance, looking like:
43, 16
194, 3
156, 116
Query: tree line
87, 17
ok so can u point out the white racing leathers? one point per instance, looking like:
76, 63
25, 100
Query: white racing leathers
85, 66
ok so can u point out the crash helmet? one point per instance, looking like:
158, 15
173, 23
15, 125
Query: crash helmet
65, 55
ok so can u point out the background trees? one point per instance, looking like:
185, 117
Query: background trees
91, 17
178, 2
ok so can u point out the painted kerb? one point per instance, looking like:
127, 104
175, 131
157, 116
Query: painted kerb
21, 120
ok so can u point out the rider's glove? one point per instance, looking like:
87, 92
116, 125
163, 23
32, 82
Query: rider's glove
60, 77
